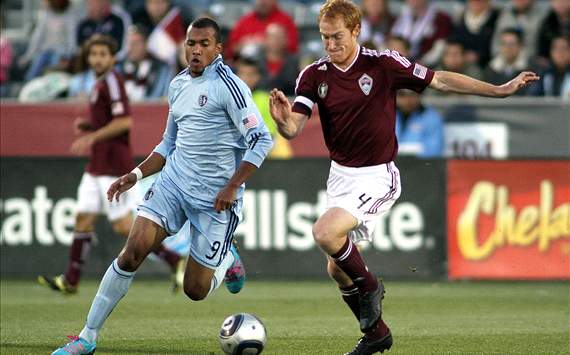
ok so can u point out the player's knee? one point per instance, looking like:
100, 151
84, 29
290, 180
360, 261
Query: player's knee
130, 259
321, 234
84, 222
195, 291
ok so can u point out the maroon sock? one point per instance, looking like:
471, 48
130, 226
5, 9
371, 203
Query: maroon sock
350, 296
349, 260
380, 331
170, 257
78, 252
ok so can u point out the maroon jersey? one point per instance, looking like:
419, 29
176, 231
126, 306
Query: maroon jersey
357, 106
109, 100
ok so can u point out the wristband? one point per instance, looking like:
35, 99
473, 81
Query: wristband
137, 171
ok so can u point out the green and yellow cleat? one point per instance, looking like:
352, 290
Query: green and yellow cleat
57, 283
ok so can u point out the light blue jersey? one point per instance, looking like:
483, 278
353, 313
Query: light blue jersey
213, 124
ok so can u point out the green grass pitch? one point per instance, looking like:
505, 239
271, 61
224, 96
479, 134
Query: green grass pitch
301, 318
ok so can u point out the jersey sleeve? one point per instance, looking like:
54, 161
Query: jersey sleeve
406, 74
118, 99
168, 142
238, 103
305, 92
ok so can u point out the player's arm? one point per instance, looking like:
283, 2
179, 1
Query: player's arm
458, 83
246, 117
116, 127
289, 123
151, 165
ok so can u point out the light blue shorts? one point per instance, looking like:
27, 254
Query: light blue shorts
211, 233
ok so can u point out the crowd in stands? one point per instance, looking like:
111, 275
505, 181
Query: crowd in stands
489, 40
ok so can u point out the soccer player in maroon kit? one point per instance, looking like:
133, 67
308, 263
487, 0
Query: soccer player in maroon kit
105, 138
355, 91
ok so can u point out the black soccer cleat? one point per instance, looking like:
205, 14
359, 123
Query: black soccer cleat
366, 346
371, 308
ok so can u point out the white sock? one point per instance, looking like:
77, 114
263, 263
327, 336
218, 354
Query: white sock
220, 273
113, 287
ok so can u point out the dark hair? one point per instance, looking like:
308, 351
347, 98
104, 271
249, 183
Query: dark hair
206, 22
403, 40
514, 31
454, 42
101, 40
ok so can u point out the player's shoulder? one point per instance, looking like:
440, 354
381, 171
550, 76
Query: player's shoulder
318, 67
178, 79
229, 85
384, 58
114, 83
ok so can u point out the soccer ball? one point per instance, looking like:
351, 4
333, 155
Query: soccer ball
242, 334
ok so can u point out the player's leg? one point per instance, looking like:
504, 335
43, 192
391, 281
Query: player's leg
120, 216
330, 233
145, 235
212, 253
89, 205
347, 288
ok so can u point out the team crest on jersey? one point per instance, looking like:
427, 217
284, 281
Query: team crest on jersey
322, 90
365, 83
202, 100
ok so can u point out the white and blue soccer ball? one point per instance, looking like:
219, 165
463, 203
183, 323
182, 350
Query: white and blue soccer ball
242, 334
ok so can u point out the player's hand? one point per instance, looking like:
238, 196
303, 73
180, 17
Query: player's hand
225, 198
279, 106
523, 79
121, 185
82, 145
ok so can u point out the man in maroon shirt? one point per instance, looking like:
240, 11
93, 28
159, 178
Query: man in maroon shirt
355, 91
105, 138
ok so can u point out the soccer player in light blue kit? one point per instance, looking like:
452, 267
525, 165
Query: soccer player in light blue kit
214, 140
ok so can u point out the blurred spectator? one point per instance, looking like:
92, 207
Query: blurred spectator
555, 81
419, 128
510, 61
250, 72
555, 24
524, 15
5, 64
399, 44
104, 19
250, 29
53, 39
145, 76
377, 22
167, 24
280, 68
475, 30
426, 28
454, 59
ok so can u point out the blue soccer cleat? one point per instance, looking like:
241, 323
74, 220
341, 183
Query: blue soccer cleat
76, 346
235, 275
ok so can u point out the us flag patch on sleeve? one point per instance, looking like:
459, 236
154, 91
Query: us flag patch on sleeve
420, 71
250, 121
